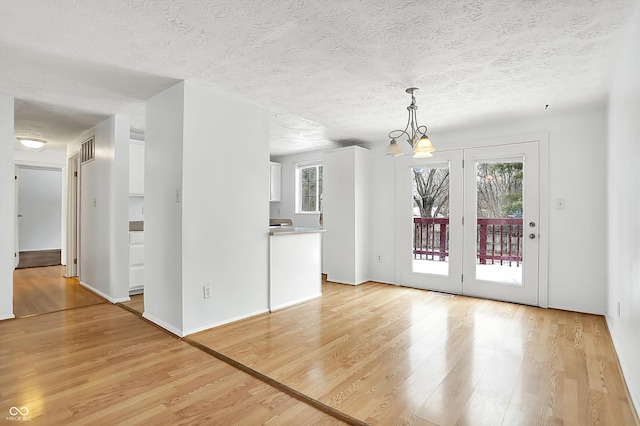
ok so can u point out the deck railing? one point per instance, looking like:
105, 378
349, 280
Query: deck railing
498, 241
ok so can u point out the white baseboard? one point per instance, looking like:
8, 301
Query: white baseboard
575, 309
632, 392
333, 280
163, 324
136, 290
106, 296
6, 315
295, 302
218, 324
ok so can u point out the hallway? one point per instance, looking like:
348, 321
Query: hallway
44, 290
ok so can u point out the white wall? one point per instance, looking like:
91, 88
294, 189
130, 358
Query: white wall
163, 213
624, 210
285, 209
577, 235
225, 209
104, 211
47, 157
40, 205
216, 231
7, 207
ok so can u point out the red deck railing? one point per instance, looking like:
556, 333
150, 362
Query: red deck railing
498, 241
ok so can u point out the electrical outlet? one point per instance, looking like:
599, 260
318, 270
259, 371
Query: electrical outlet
207, 291
379, 258
560, 203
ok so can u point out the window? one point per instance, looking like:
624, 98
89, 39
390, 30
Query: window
308, 188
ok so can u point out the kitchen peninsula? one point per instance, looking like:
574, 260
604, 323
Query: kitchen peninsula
295, 265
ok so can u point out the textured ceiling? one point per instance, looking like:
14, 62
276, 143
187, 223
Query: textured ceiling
331, 72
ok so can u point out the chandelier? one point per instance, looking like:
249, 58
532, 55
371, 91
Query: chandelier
416, 134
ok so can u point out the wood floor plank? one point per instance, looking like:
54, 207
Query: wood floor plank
379, 353
389, 355
42, 290
103, 365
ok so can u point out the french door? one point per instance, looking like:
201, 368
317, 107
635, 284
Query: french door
473, 224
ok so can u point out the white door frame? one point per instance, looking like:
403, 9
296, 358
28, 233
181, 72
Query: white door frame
543, 230
46, 166
73, 217
16, 241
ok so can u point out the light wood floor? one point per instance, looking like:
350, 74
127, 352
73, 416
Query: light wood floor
390, 355
382, 354
103, 365
42, 290
136, 303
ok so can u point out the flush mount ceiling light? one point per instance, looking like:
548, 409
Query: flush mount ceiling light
32, 143
416, 134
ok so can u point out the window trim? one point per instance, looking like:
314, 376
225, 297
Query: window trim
298, 196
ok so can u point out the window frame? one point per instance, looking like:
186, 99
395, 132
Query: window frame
298, 187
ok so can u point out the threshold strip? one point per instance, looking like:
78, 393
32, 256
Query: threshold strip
278, 385
344, 417
59, 310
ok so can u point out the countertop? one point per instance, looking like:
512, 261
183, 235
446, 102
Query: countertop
288, 230
136, 225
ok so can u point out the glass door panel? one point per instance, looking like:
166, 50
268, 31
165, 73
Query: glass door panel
499, 221
431, 220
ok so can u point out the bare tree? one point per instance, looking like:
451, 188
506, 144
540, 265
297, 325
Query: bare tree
431, 191
499, 189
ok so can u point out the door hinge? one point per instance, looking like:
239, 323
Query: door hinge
75, 261
463, 164
462, 220
15, 254
75, 174
16, 177
462, 278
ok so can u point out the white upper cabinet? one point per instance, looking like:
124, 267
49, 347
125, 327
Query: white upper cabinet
275, 182
136, 168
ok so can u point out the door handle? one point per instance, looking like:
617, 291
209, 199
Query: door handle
19, 215
532, 236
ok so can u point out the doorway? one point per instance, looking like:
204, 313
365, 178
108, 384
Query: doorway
39, 216
468, 222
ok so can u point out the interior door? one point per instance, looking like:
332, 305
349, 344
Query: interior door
501, 215
429, 225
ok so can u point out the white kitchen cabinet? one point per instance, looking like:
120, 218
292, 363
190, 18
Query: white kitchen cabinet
136, 167
275, 181
136, 262
346, 212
